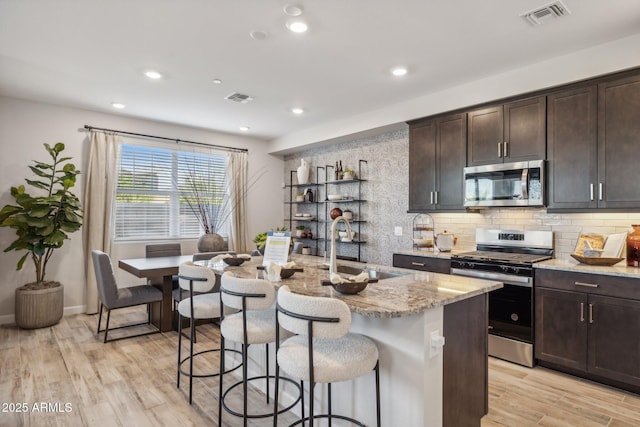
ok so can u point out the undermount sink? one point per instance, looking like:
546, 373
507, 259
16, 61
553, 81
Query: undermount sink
373, 274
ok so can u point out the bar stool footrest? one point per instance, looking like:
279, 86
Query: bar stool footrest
186, 359
265, 415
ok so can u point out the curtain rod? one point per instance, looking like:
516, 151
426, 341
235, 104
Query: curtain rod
177, 141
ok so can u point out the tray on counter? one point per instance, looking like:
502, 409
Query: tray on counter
596, 260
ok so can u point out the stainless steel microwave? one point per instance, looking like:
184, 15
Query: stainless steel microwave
505, 184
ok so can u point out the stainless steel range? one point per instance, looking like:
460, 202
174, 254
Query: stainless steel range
508, 256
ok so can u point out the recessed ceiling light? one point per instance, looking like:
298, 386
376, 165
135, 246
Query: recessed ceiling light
293, 9
399, 71
216, 81
297, 110
118, 105
258, 34
297, 26
244, 128
153, 74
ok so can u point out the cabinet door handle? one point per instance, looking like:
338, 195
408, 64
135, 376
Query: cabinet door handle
436, 198
590, 313
506, 149
600, 191
591, 191
588, 285
582, 312
419, 264
499, 149
430, 197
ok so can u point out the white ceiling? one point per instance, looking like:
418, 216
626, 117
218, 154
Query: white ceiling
88, 54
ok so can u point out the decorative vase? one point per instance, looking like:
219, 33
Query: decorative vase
38, 308
303, 172
633, 246
211, 242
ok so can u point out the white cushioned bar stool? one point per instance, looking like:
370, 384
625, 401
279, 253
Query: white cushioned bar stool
200, 304
254, 324
323, 350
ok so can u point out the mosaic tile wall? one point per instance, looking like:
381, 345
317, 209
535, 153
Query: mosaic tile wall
386, 192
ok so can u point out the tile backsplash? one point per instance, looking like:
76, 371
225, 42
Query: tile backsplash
386, 193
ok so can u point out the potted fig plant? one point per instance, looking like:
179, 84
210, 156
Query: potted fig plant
42, 223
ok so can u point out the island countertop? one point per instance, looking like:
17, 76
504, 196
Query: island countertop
411, 293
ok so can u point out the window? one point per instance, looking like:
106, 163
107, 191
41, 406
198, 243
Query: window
153, 187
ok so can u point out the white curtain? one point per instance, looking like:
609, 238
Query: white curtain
98, 198
237, 176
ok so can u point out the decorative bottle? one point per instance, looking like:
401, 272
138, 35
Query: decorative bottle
633, 246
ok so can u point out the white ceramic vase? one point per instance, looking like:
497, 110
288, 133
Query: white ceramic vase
303, 172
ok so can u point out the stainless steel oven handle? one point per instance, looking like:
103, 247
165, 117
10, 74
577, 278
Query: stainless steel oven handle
526, 282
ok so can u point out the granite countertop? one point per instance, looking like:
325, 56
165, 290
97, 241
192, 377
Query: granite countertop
620, 269
435, 253
411, 293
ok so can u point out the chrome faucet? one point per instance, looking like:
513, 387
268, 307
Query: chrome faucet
332, 259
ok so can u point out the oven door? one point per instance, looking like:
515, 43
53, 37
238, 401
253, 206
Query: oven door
511, 313
510, 307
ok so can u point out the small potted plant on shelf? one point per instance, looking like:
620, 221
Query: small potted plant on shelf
300, 231
348, 174
300, 197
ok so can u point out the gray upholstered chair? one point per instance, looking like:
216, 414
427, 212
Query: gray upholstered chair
113, 297
323, 351
200, 303
253, 324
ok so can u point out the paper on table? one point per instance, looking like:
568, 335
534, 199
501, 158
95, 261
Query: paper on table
613, 245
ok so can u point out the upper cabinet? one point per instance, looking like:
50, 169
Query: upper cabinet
592, 134
572, 148
437, 155
510, 132
618, 142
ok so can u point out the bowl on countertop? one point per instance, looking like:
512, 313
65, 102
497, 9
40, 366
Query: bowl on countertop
234, 261
350, 288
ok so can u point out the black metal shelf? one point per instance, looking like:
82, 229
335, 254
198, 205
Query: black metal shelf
309, 184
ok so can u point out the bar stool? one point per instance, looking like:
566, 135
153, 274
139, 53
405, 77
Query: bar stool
323, 351
254, 324
200, 304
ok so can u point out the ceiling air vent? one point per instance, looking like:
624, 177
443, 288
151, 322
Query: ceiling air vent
239, 98
552, 10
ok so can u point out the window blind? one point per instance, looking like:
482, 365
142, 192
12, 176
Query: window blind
155, 186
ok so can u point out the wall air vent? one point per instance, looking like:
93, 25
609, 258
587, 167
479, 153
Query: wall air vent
239, 98
552, 10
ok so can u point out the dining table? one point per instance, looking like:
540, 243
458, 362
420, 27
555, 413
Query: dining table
160, 272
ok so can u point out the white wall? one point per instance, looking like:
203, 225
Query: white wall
25, 126
601, 59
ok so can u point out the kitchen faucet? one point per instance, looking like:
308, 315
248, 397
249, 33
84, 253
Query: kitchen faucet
332, 259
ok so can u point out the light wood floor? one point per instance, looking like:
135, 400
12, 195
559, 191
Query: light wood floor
132, 383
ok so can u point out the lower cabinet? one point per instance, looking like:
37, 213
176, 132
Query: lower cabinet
589, 325
423, 263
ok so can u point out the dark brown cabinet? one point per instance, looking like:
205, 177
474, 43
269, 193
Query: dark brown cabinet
572, 148
437, 155
618, 142
589, 325
511, 132
593, 134
424, 263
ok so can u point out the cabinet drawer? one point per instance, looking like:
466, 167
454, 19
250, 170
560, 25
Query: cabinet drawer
435, 265
594, 284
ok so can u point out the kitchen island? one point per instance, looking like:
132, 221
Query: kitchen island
407, 316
